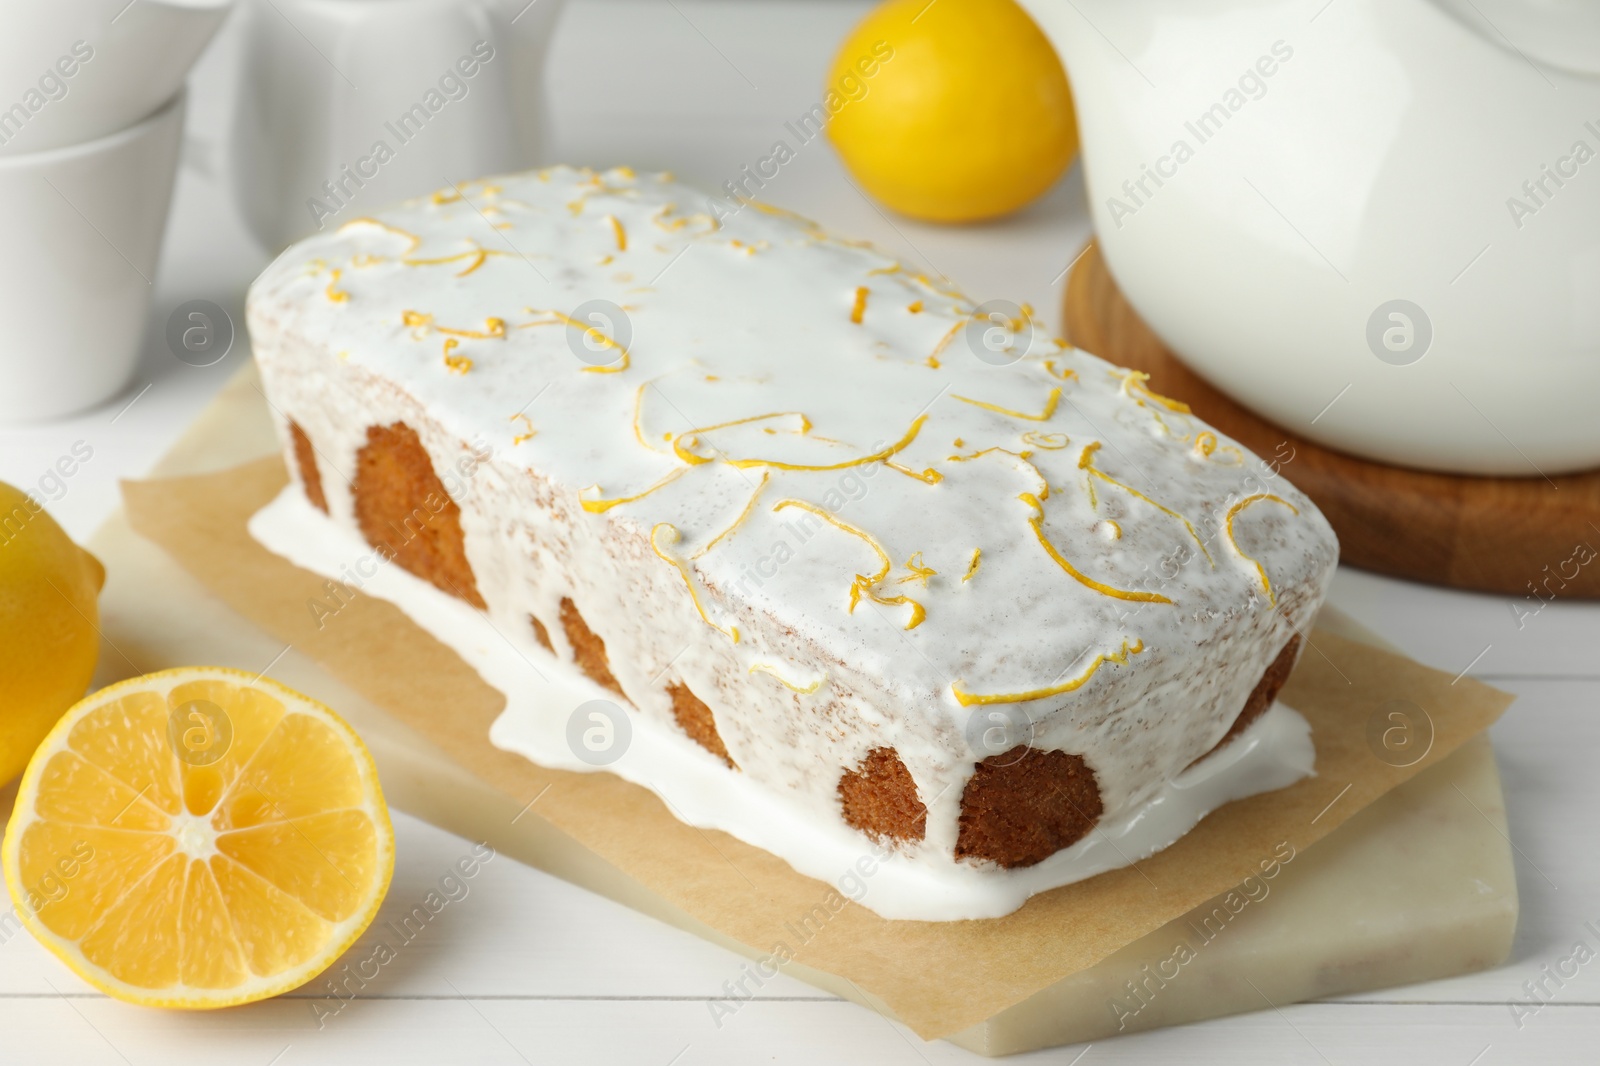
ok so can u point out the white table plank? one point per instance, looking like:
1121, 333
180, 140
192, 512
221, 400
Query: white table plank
659, 1033
1450, 629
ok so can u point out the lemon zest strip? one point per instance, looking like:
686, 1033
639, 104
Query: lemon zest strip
1207, 446
599, 506
929, 476
944, 342
855, 531
876, 457
860, 308
1026, 458
416, 241
768, 668
493, 328
749, 506
638, 418
673, 225
862, 584
478, 254
457, 364
1086, 464
918, 612
1049, 406
731, 632
1134, 387
1120, 657
972, 567
1233, 512
1037, 524
679, 443
779, 212
589, 331
918, 571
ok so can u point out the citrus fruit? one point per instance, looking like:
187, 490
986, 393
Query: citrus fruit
969, 117
197, 838
48, 620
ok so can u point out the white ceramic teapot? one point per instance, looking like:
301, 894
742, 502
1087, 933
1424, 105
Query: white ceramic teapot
347, 105
1375, 222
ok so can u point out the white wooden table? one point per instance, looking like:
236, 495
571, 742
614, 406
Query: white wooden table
526, 968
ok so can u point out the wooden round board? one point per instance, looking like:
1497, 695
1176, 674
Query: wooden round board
1532, 537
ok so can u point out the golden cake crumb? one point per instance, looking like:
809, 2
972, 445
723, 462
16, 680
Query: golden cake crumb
404, 511
305, 460
879, 798
1024, 805
588, 650
695, 718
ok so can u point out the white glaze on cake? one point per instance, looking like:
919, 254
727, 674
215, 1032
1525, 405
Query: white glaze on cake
542, 692
1111, 602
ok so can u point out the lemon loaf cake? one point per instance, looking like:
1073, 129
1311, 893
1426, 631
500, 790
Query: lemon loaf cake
903, 561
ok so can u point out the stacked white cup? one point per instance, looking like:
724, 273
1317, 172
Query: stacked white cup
91, 123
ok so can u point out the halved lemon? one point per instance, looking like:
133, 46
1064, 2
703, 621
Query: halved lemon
198, 838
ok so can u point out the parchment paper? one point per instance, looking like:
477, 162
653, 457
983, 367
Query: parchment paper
938, 977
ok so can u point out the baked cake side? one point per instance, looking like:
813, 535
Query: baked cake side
924, 572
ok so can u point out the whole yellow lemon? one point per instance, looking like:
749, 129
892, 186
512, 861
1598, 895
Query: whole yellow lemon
951, 111
48, 625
